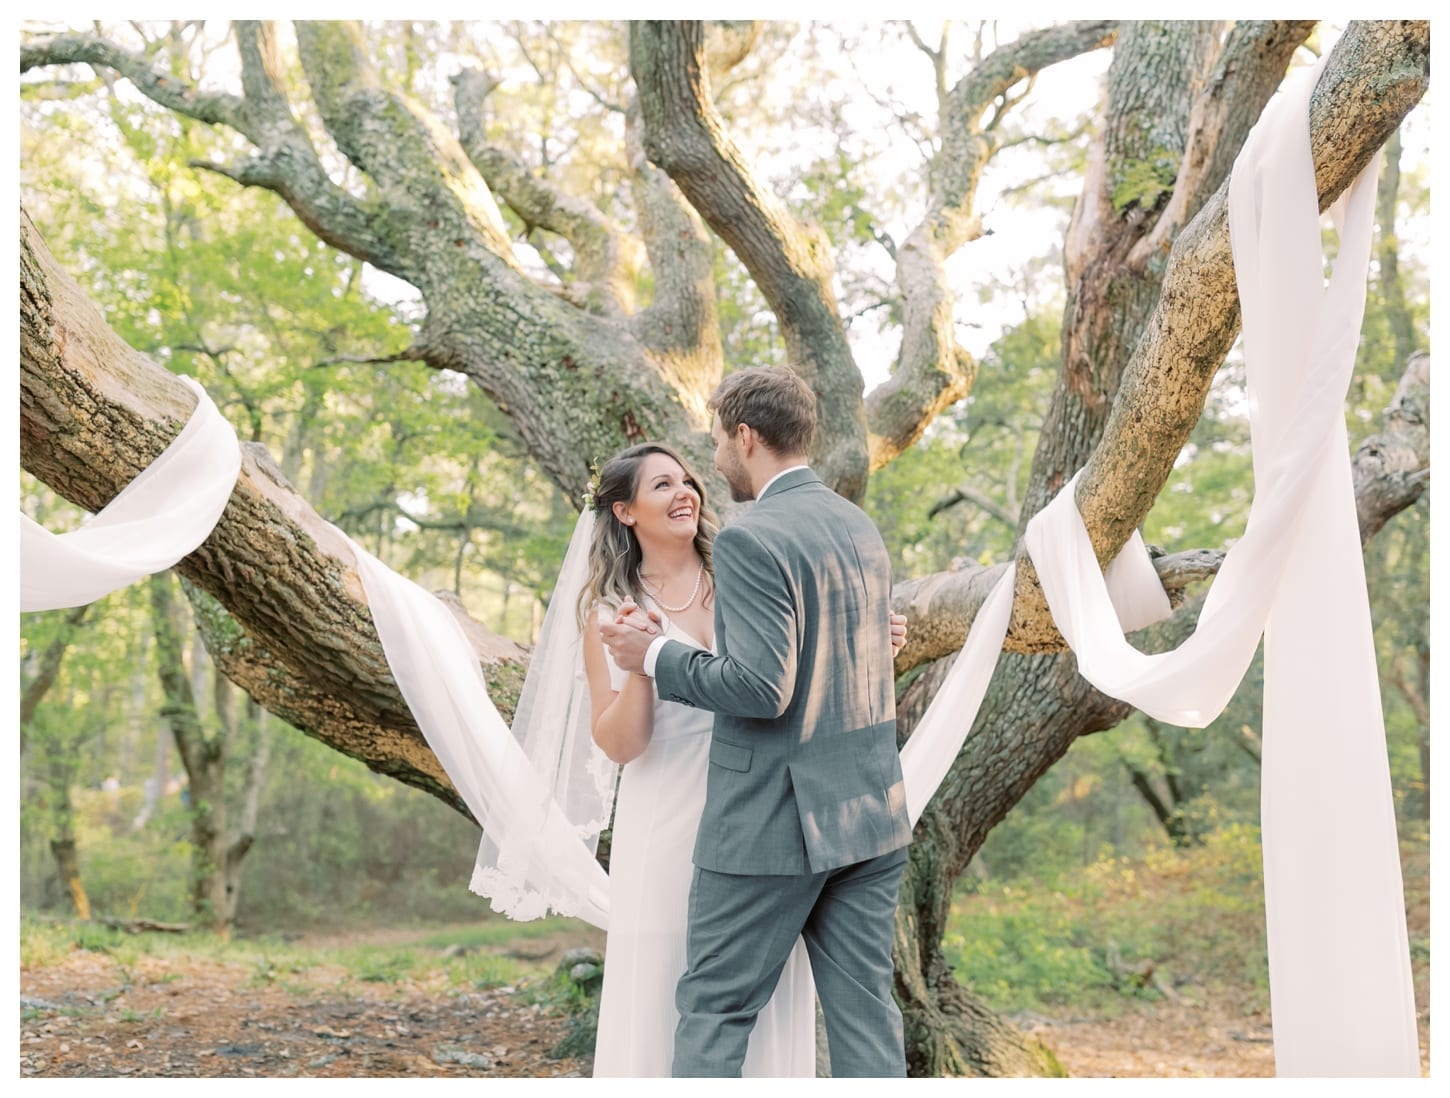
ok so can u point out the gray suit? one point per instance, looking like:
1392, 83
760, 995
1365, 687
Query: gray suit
805, 825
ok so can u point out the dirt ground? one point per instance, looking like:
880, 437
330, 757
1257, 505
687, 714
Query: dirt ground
90, 1017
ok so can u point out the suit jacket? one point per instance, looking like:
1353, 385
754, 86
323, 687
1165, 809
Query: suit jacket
804, 773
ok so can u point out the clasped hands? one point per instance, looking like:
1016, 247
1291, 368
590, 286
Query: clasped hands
634, 629
630, 634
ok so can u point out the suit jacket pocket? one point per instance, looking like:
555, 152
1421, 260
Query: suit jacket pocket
730, 755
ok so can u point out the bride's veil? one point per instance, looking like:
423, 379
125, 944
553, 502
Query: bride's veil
552, 725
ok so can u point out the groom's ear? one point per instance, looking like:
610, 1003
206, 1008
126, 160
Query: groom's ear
745, 438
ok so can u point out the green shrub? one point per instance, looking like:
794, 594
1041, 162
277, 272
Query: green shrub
1197, 914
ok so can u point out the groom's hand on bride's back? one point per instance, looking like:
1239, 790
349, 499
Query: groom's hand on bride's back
898, 633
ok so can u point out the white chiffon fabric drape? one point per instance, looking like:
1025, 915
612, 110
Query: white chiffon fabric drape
153, 522
1341, 991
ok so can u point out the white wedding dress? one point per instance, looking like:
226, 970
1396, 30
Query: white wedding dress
656, 815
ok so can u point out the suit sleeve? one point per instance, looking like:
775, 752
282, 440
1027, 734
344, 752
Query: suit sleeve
756, 628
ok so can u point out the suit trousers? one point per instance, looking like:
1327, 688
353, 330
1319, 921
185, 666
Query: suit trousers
742, 929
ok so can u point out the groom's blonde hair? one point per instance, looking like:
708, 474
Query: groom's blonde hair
774, 401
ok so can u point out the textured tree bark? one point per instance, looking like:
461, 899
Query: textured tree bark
577, 386
1154, 77
1355, 108
1392, 467
790, 261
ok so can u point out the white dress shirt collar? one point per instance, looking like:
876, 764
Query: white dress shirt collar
766, 486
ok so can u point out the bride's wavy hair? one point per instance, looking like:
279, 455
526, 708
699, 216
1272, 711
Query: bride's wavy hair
614, 553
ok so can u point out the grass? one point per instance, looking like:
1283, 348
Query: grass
493, 932
478, 965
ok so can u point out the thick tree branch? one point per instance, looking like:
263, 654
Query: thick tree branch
215, 108
430, 220
681, 326
791, 262
1392, 468
932, 371
941, 607
1249, 69
286, 161
1151, 85
607, 259
296, 634
433, 192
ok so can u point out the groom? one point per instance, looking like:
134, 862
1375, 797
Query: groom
805, 827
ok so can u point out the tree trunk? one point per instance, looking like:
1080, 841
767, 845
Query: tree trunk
1035, 710
246, 830
295, 631
1037, 706
1392, 287
204, 759
48, 669
61, 768
1168, 817
154, 788
68, 866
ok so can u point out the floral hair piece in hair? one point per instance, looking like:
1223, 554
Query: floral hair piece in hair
591, 490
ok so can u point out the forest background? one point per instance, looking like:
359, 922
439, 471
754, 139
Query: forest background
123, 710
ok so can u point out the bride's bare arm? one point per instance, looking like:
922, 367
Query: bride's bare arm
621, 721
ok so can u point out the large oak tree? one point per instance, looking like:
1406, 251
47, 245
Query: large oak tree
580, 367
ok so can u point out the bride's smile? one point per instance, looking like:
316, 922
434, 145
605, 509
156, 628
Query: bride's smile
666, 505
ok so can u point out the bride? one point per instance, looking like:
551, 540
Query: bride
651, 543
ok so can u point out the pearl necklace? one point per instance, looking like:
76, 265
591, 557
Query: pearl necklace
688, 602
